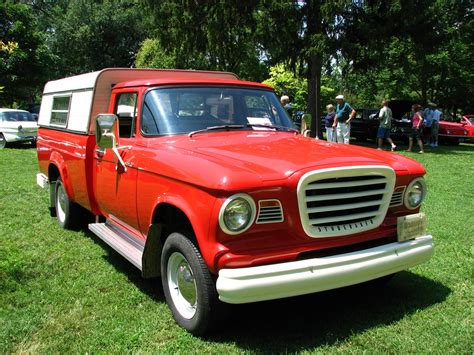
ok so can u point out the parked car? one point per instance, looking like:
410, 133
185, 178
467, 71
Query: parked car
457, 129
16, 126
201, 178
365, 124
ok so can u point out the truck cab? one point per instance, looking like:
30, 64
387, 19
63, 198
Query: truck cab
201, 179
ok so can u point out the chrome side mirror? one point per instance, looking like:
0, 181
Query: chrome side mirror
107, 137
106, 131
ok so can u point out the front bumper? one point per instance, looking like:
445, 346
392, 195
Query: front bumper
261, 283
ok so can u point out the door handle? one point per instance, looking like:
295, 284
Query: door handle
129, 164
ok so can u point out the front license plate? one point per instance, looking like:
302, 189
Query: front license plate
410, 227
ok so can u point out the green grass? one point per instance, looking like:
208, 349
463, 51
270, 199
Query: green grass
63, 291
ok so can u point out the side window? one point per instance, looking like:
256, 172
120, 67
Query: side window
126, 111
60, 110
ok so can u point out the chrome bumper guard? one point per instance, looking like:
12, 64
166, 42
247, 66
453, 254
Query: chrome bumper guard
261, 283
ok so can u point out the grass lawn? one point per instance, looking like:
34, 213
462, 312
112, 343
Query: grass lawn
63, 291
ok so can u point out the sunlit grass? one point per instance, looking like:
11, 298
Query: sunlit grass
63, 291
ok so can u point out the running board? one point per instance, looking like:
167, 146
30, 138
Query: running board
125, 244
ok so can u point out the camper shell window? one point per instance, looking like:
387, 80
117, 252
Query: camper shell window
60, 110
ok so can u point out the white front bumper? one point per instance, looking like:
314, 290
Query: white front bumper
260, 283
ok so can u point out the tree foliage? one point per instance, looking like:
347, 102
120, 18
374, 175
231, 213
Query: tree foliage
91, 35
213, 35
23, 54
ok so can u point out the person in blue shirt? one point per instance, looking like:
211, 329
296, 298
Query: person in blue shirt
342, 122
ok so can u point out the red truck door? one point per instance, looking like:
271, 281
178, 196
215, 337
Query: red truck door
116, 187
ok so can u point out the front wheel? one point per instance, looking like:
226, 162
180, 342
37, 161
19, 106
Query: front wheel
189, 288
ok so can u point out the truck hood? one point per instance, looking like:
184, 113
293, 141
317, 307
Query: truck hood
264, 156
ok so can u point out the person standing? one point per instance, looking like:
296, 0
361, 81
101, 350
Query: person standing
385, 118
285, 102
328, 123
436, 117
342, 122
427, 119
417, 128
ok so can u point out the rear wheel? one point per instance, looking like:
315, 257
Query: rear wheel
189, 288
67, 212
3, 142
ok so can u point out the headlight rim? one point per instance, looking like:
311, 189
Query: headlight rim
407, 190
253, 215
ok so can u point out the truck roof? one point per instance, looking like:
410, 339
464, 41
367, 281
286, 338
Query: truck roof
111, 76
189, 81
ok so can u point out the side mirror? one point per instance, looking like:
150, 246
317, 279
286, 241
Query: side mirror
106, 131
107, 137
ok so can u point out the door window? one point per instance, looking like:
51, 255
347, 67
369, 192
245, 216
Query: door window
126, 111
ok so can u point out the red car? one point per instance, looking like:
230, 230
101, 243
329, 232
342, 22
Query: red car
456, 130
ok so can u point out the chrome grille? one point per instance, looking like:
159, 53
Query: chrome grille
397, 197
270, 211
342, 201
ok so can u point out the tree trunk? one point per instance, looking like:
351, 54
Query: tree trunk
314, 95
313, 14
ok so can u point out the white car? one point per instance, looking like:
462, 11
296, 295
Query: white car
16, 126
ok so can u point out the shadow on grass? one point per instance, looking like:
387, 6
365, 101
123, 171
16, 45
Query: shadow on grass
301, 323
151, 287
21, 145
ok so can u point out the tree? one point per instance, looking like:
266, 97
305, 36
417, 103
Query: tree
421, 50
212, 35
24, 56
90, 35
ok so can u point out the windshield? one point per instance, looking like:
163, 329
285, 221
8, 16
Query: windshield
17, 116
188, 109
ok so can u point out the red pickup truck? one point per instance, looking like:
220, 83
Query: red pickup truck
201, 178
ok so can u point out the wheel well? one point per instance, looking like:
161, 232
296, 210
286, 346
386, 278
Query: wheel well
172, 219
166, 219
53, 173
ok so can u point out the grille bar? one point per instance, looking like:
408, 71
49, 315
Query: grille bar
345, 195
344, 206
318, 186
342, 218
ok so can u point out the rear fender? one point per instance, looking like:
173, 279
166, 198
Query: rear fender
57, 160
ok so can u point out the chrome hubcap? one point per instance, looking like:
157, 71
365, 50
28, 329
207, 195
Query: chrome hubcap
182, 285
61, 204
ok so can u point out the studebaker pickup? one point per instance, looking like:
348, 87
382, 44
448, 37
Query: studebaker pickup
200, 178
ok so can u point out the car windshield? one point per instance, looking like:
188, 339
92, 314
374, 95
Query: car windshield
189, 109
18, 116
471, 119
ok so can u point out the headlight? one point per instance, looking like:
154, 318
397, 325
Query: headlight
415, 193
237, 214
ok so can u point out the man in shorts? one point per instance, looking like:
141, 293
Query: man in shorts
385, 118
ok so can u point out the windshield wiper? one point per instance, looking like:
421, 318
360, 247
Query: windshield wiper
213, 128
276, 127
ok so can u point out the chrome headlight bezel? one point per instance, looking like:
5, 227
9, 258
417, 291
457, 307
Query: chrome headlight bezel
252, 213
418, 182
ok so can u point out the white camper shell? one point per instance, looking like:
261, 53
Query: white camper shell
68, 104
